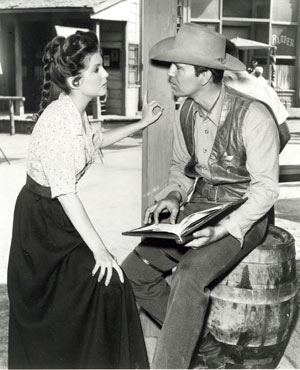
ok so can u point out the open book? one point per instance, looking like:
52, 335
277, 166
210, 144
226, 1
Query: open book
183, 231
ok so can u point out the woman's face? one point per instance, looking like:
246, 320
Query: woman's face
93, 80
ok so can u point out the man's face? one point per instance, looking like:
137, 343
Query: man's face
183, 80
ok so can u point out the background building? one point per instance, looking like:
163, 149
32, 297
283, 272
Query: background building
27, 25
273, 22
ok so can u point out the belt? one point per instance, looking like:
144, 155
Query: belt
215, 193
36, 188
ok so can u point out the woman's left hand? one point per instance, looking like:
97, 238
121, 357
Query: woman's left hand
151, 112
206, 236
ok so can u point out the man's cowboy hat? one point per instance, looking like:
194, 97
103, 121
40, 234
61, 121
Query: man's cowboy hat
196, 45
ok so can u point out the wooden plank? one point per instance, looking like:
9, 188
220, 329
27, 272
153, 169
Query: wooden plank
18, 66
289, 173
11, 117
297, 64
12, 98
159, 23
115, 84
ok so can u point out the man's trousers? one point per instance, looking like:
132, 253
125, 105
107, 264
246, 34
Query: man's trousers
181, 306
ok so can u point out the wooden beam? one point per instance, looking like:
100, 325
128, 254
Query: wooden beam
297, 64
12, 117
18, 65
96, 101
160, 18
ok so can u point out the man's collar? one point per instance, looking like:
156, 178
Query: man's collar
214, 113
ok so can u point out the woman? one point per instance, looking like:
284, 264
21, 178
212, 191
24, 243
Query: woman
70, 304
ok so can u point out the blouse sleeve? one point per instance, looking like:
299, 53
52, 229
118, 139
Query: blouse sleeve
57, 156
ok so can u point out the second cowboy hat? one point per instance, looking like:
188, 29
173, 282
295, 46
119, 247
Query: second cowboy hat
197, 45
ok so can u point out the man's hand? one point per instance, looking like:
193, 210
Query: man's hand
170, 204
207, 235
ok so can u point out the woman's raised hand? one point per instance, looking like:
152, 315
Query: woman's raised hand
105, 262
151, 112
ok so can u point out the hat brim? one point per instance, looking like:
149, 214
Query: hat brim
164, 51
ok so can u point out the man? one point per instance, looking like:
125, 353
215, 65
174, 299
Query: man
258, 88
258, 72
229, 143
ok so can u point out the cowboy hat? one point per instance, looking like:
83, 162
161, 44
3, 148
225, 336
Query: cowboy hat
196, 45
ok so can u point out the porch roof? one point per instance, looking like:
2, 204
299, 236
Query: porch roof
26, 5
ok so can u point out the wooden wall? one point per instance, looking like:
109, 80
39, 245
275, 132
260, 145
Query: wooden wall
112, 35
132, 37
7, 79
159, 23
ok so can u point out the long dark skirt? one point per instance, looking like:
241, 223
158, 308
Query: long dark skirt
60, 316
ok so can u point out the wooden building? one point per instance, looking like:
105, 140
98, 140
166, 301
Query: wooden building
268, 21
274, 22
27, 25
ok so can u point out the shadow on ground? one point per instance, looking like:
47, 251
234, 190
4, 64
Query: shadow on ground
3, 160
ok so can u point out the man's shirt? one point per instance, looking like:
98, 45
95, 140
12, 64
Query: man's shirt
261, 141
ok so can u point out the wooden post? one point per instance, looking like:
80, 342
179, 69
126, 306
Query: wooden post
18, 66
159, 22
297, 65
96, 101
11, 116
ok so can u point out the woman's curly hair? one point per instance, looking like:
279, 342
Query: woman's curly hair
63, 58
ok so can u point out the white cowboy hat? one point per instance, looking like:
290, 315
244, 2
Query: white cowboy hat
196, 45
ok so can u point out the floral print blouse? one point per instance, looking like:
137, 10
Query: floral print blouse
62, 147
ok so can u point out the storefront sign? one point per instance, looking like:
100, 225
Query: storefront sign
283, 39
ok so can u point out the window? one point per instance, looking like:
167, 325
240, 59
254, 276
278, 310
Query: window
285, 11
133, 64
246, 8
206, 9
180, 6
284, 37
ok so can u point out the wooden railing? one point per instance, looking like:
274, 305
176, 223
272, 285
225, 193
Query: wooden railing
11, 100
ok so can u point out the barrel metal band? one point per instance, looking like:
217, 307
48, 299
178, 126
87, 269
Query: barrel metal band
147, 262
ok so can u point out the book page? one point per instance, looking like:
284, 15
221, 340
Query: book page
167, 228
183, 225
194, 217
184, 229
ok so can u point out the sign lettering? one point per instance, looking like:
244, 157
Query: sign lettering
283, 39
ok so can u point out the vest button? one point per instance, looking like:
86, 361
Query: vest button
204, 150
206, 131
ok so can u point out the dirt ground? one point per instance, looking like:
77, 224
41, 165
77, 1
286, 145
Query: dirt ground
111, 193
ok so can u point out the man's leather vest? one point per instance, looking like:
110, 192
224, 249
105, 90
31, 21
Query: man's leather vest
227, 161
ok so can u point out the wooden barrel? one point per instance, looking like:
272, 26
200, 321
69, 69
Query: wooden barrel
253, 307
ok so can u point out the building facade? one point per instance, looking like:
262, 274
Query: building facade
273, 22
27, 25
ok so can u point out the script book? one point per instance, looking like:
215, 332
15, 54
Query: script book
183, 231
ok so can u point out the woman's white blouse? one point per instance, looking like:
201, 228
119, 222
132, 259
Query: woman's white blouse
62, 147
